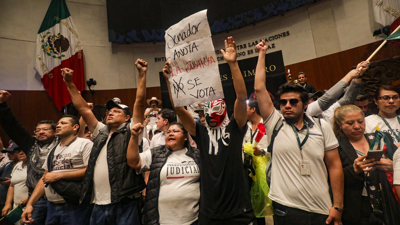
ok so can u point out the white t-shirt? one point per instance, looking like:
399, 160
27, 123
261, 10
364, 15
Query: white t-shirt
396, 167
313, 109
178, 201
288, 186
101, 181
157, 140
18, 179
67, 158
373, 120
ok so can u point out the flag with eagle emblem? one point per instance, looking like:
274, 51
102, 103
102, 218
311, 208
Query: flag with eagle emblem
58, 46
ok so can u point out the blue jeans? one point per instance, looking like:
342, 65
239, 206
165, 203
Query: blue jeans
39, 212
68, 214
124, 212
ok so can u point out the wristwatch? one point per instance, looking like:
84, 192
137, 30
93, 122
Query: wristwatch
263, 152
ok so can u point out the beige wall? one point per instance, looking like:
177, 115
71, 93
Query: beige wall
321, 29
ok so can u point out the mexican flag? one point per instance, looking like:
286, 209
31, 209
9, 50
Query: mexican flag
58, 46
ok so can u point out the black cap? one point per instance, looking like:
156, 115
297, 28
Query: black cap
12, 147
111, 104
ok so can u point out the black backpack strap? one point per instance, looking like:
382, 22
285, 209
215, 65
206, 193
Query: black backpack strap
277, 128
50, 157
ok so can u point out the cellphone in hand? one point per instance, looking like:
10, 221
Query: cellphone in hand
375, 154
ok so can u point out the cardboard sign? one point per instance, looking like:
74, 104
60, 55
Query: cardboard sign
188, 47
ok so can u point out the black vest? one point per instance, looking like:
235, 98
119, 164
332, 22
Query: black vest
159, 157
123, 180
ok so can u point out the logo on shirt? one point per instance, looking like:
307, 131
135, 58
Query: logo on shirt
62, 162
181, 170
215, 136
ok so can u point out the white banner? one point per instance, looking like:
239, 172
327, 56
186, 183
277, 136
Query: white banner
195, 76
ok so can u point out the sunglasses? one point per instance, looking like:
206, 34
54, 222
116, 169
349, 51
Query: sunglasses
292, 101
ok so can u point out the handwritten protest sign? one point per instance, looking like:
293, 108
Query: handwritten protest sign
188, 47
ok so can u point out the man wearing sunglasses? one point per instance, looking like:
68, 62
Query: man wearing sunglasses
35, 147
303, 153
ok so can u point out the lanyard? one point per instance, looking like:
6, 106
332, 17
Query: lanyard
298, 139
252, 135
359, 152
387, 124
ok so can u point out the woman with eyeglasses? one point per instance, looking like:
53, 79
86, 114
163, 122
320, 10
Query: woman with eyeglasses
173, 189
368, 196
388, 102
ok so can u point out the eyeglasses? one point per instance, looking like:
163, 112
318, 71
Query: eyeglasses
292, 101
174, 131
41, 129
387, 97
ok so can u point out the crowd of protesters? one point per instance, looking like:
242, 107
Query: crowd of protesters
330, 159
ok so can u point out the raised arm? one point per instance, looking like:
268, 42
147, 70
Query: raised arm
187, 120
82, 123
240, 108
266, 105
132, 153
355, 86
12, 126
79, 103
331, 96
139, 106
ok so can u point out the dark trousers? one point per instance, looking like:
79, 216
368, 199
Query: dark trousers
366, 212
68, 214
284, 215
241, 219
124, 212
39, 212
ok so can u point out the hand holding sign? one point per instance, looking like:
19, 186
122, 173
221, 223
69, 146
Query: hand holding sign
167, 70
193, 64
230, 54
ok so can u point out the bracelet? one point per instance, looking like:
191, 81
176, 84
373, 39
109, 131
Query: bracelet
338, 209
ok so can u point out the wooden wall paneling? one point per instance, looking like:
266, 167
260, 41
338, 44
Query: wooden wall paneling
323, 72
31, 107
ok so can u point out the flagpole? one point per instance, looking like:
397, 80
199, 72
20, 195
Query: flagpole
379, 48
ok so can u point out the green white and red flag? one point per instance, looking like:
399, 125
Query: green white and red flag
58, 46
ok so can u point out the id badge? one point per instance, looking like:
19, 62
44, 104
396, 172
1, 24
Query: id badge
305, 168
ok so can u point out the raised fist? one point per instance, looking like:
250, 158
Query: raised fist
141, 65
136, 129
4, 95
261, 47
67, 74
